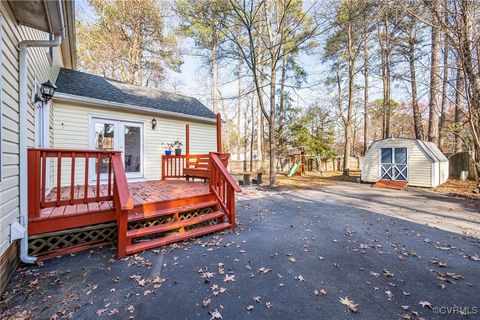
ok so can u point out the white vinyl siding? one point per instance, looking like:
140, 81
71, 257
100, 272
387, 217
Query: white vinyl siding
38, 68
72, 130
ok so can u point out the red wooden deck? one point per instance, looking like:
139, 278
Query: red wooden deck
141, 192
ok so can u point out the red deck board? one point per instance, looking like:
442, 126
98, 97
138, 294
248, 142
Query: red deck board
142, 193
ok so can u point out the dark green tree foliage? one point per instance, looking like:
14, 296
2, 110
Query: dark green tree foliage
314, 130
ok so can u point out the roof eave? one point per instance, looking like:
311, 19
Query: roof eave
69, 47
46, 16
65, 97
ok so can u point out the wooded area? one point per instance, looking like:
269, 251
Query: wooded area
381, 69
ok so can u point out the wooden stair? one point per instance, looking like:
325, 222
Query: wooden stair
390, 184
141, 246
137, 216
149, 237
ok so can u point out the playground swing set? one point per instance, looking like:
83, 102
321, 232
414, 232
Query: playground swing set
298, 160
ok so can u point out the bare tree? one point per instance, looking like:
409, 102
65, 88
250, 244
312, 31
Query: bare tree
433, 105
273, 29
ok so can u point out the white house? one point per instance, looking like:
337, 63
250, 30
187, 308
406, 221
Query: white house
88, 109
87, 112
420, 163
38, 37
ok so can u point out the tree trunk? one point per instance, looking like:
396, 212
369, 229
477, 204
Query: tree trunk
214, 79
239, 104
365, 99
441, 123
253, 134
417, 116
348, 122
281, 109
271, 125
459, 101
388, 77
384, 80
434, 75
473, 78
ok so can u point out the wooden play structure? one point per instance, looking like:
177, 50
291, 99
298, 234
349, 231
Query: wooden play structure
298, 161
142, 215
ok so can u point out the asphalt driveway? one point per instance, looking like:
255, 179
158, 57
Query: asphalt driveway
294, 255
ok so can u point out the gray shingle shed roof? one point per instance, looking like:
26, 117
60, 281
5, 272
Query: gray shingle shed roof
91, 86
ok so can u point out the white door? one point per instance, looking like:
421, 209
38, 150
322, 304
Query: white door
115, 135
393, 164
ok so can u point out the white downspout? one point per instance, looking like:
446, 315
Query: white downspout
23, 132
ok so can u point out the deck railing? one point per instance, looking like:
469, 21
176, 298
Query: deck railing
172, 165
70, 177
223, 185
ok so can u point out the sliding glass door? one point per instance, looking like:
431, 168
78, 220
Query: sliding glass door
122, 136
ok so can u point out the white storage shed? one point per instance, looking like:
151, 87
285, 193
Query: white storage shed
419, 163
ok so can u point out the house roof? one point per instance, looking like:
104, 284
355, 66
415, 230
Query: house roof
87, 85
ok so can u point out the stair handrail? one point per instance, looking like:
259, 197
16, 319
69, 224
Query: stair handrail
219, 176
125, 200
223, 169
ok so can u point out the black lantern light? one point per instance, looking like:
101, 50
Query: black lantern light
154, 123
47, 90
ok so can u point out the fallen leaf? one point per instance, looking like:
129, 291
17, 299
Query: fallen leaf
320, 292
300, 278
425, 304
229, 278
387, 273
206, 302
351, 306
215, 315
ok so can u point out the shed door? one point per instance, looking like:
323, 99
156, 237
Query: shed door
393, 164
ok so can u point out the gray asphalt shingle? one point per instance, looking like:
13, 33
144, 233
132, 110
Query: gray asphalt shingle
92, 86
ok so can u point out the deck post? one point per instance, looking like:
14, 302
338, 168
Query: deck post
219, 132
33, 187
187, 148
187, 140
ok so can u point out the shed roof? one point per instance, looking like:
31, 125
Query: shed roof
429, 148
92, 86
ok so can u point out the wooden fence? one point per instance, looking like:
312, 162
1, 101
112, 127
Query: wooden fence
461, 161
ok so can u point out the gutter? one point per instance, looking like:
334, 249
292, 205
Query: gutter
124, 106
23, 133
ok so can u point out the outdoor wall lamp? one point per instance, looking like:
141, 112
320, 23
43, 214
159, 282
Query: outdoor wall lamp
154, 123
47, 90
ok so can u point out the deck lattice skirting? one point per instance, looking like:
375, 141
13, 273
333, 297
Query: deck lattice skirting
85, 237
